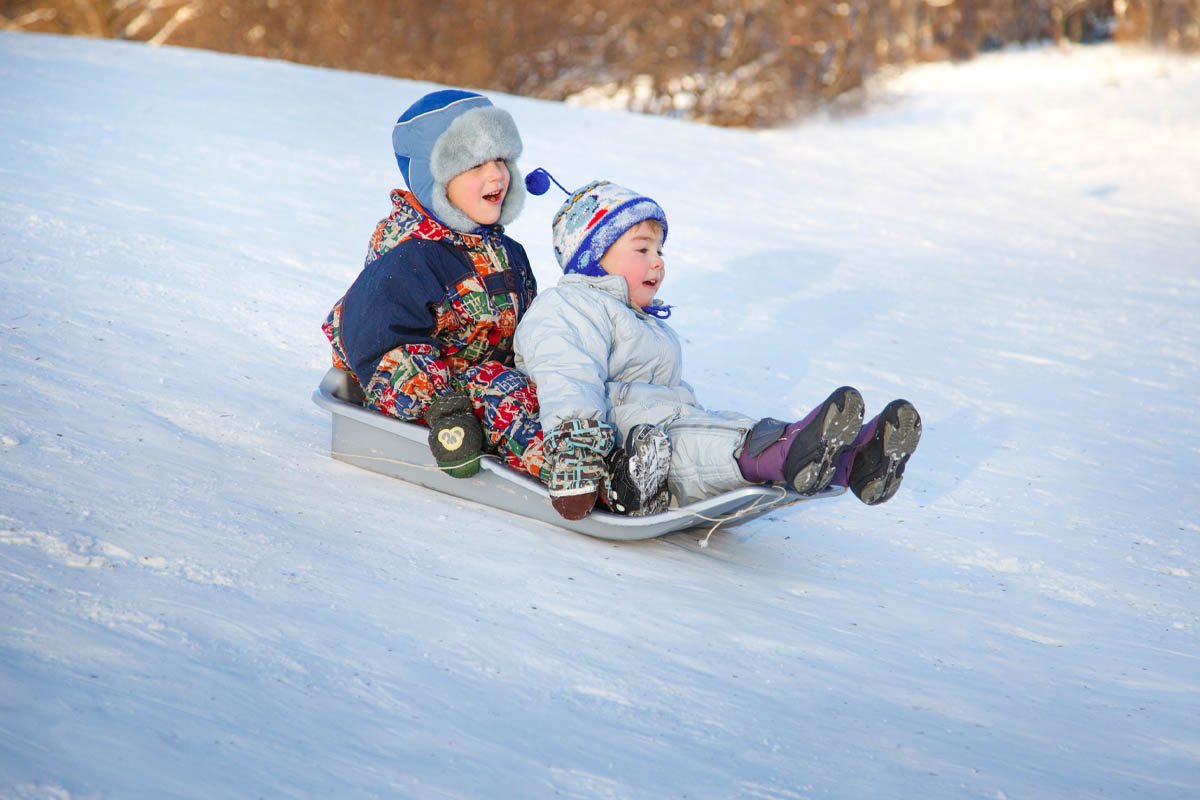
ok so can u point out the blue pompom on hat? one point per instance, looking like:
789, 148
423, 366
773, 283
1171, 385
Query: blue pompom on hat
446, 133
593, 218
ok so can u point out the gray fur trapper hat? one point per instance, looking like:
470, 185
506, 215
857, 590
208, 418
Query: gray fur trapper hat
446, 133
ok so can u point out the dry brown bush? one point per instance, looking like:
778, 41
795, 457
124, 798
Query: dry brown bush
728, 62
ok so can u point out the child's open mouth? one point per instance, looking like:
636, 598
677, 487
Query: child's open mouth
494, 197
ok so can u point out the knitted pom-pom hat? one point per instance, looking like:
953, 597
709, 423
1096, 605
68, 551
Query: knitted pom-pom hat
446, 133
594, 217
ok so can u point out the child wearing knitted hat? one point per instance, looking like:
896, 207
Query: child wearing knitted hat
426, 328
608, 369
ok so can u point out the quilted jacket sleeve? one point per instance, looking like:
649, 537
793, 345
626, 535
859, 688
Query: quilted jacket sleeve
562, 344
389, 305
387, 323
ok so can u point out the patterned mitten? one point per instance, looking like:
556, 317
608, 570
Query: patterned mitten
455, 436
575, 452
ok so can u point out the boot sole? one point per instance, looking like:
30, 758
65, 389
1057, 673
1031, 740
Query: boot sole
900, 439
817, 447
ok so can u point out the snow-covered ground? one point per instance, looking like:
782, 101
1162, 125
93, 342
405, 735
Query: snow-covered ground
196, 601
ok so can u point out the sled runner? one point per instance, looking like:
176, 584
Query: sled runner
392, 447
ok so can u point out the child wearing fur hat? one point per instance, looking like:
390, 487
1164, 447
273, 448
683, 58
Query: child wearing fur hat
427, 326
608, 368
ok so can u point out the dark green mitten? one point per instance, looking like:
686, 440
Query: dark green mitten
455, 436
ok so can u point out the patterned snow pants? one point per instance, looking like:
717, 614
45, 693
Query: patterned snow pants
503, 399
507, 406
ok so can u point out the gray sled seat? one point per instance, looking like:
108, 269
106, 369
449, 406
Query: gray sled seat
383, 444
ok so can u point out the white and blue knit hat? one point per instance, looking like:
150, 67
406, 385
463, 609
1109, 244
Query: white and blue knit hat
592, 218
446, 133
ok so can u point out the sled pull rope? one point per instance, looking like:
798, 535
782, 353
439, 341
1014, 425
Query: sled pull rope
741, 512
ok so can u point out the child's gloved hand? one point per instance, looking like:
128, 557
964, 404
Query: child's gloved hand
575, 452
455, 436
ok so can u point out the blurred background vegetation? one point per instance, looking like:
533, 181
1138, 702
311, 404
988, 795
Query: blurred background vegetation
751, 63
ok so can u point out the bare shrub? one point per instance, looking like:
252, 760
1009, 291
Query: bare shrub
727, 62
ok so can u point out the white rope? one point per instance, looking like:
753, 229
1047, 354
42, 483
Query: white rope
755, 508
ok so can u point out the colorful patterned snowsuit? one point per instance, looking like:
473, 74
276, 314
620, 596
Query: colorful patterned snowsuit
434, 312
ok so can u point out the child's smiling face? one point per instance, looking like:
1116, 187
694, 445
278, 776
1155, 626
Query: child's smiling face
480, 191
637, 257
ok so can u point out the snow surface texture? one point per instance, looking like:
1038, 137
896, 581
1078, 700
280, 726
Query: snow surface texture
196, 601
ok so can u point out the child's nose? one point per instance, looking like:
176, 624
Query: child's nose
492, 170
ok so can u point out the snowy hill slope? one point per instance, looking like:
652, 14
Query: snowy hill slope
197, 602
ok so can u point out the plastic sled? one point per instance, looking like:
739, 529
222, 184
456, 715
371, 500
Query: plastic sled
384, 444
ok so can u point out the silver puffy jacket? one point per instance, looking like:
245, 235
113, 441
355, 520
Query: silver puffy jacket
593, 356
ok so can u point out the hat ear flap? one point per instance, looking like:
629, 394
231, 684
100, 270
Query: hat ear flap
446, 212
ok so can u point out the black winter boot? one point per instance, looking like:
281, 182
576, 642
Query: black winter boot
637, 473
888, 442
